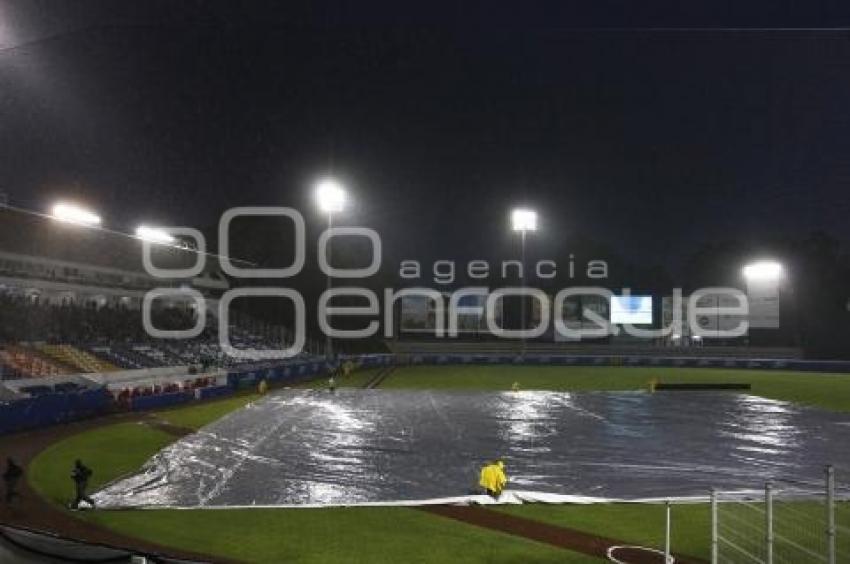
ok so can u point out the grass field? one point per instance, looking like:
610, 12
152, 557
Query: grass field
401, 534
641, 524
196, 416
830, 391
357, 379
381, 534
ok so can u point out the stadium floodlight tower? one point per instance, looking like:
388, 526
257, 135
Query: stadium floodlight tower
523, 220
72, 213
763, 271
155, 235
763, 280
330, 196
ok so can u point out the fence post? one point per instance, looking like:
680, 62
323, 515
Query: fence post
768, 525
830, 514
667, 533
714, 526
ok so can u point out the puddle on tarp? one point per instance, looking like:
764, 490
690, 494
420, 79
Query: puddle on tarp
360, 446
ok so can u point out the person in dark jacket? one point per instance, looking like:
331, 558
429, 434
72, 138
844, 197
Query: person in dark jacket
11, 476
81, 475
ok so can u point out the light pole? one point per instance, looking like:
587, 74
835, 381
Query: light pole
330, 196
72, 213
763, 279
523, 220
155, 235
764, 270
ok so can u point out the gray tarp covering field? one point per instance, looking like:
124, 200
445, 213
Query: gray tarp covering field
356, 446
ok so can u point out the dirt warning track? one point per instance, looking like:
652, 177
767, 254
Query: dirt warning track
34, 512
561, 537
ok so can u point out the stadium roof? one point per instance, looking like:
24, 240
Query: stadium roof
38, 236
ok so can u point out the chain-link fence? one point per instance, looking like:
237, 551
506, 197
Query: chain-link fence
786, 522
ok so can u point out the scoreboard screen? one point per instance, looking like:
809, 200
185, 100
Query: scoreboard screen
633, 310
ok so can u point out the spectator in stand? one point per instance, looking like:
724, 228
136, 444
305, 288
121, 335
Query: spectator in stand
11, 476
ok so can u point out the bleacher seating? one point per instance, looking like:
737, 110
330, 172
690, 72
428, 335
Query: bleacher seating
122, 355
28, 363
8, 372
46, 340
71, 325
69, 355
26, 320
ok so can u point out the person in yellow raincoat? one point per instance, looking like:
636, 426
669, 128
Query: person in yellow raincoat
493, 478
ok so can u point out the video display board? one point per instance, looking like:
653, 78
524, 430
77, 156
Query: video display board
634, 310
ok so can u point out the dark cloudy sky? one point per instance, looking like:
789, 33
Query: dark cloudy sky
651, 140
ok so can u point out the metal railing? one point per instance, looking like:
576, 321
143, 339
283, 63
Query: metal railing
787, 521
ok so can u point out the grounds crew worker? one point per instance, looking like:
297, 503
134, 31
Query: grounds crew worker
81, 475
11, 476
493, 478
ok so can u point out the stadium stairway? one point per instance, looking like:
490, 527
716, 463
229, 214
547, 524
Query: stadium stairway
379, 378
76, 358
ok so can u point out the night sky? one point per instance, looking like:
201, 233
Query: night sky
653, 141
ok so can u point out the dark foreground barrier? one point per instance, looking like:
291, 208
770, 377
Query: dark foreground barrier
26, 545
52, 409
298, 370
841, 366
699, 387
159, 400
294, 371
213, 392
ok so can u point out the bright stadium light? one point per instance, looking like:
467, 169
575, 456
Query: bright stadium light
763, 270
72, 213
523, 219
330, 195
154, 235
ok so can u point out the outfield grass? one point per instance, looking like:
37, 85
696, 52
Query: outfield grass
368, 535
357, 379
402, 534
110, 451
641, 524
118, 449
831, 391
198, 415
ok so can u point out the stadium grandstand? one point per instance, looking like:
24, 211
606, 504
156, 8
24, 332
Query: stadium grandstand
72, 321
